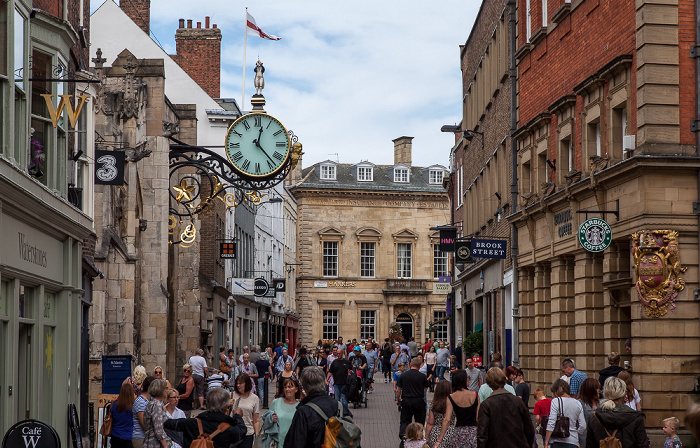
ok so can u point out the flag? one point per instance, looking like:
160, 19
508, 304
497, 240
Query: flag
252, 28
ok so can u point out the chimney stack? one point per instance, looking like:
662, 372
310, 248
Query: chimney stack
199, 54
139, 11
402, 150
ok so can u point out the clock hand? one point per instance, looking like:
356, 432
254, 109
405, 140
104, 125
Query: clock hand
257, 143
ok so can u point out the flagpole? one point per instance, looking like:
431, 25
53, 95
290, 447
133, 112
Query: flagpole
245, 45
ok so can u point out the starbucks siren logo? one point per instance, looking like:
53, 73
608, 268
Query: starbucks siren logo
594, 235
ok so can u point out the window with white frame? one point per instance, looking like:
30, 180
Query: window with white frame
330, 325
367, 324
439, 262
403, 260
330, 258
436, 176
327, 172
400, 174
544, 12
440, 328
364, 173
528, 17
367, 258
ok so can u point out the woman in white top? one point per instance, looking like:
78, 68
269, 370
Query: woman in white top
632, 398
247, 405
563, 404
172, 410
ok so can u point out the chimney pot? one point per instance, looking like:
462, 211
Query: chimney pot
206, 22
199, 24
214, 26
189, 23
182, 23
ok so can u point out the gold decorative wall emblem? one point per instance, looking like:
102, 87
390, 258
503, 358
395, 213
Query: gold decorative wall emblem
658, 267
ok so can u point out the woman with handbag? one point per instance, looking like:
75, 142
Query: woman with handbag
566, 419
122, 423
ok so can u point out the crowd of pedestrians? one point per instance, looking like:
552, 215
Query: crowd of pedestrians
471, 406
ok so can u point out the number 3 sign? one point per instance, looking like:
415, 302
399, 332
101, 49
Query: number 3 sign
109, 167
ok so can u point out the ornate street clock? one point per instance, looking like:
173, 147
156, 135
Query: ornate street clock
258, 146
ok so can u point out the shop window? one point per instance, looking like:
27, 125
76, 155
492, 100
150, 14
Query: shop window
440, 328
330, 325
439, 262
26, 302
41, 146
404, 260
367, 324
25, 343
330, 258
619, 131
367, 259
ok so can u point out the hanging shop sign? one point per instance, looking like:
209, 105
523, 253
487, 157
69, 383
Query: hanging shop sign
447, 240
242, 286
482, 248
280, 284
463, 252
31, 433
227, 250
657, 264
442, 288
594, 234
64, 103
109, 167
261, 287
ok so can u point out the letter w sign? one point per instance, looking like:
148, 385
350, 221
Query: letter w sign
54, 113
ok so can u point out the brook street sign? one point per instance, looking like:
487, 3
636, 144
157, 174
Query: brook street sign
482, 248
261, 287
594, 234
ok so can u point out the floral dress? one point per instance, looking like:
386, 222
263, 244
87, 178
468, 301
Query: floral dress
153, 418
438, 418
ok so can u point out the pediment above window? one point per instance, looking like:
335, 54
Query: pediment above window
330, 233
368, 234
404, 235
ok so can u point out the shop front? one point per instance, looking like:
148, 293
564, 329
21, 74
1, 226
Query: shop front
40, 303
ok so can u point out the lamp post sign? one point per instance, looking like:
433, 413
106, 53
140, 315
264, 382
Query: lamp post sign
595, 235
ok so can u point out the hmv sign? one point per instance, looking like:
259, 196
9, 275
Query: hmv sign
31, 434
447, 239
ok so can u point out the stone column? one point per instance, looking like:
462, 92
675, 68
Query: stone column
424, 324
543, 320
526, 287
562, 311
588, 316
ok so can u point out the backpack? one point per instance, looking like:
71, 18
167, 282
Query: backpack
341, 432
610, 441
205, 440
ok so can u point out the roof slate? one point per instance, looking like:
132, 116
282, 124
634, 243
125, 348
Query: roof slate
382, 181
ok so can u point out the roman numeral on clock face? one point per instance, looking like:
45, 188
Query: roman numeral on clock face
234, 131
277, 155
234, 145
237, 156
257, 168
277, 133
258, 121
245, 165
245, 124
281, 144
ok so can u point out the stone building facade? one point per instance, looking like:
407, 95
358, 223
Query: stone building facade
608, 130
366, 252
481, 182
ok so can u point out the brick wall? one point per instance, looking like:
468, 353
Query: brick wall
199, 54
139, 11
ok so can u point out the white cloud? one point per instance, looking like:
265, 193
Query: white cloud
347, 77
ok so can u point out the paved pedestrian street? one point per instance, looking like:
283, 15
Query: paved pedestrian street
380, 420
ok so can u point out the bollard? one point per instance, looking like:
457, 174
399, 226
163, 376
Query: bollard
266, 389
91, 425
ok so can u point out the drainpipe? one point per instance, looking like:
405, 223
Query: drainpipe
514, 179
696, 55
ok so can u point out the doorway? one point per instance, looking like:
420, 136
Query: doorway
406, 322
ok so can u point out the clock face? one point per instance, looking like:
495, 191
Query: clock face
257, 145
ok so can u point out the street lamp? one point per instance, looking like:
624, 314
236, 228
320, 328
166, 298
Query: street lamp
469, 135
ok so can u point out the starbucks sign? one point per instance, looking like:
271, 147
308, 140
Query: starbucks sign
594, 235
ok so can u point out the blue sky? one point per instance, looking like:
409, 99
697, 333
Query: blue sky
347, 77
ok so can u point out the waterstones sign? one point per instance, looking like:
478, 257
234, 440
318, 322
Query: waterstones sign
31, 250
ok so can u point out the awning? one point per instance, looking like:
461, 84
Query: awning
479, 326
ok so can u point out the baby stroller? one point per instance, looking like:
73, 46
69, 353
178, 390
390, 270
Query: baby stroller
354, 392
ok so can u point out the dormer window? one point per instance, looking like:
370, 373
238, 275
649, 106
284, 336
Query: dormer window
436, 176
400, 174
327, 172
365, 173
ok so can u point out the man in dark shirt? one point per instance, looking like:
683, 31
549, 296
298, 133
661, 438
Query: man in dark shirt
339, 370
410, 393
522, 390
308, 427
